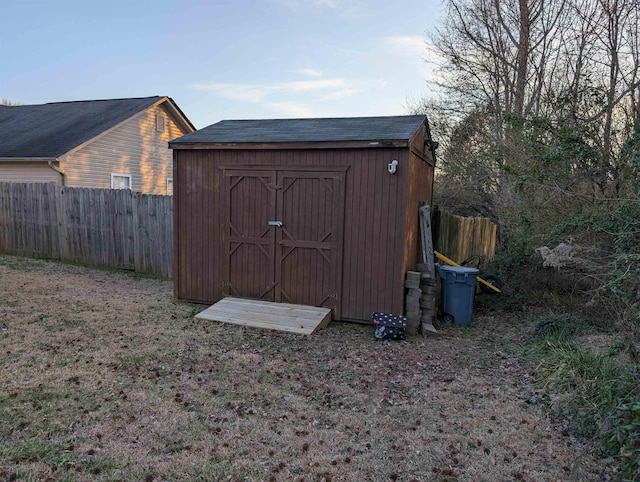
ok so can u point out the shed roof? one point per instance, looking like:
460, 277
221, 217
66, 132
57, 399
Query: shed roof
390, 128
51, 130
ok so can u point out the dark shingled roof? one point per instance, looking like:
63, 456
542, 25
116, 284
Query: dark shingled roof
391, 128
51, 130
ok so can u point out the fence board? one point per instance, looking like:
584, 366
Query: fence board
99, 227
460, 238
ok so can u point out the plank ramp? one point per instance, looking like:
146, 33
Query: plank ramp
301, 319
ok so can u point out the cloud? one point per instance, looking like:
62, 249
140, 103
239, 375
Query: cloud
413, 47
257, 92
241, 92
327, 3
291, 98
309, 72
309, 85
339, 94
406, 45
352, 9
293, 109
300, 4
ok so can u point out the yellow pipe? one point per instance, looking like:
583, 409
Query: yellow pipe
442, 257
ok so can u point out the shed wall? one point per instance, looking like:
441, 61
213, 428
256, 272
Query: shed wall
375, 217
421, 169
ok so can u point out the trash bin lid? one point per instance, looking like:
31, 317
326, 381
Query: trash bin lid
460, 270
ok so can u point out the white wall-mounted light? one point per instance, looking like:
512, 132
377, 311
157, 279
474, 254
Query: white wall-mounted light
392, 167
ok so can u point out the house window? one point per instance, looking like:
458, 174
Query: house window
159, 122
120, 181
170, 186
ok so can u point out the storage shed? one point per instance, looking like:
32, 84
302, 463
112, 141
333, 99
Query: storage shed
321, 212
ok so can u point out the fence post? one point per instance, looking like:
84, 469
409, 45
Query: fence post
135, 225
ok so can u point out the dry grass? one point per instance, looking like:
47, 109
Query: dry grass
106, 377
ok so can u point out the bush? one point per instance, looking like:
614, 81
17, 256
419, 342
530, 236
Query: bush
626, 438
596, 391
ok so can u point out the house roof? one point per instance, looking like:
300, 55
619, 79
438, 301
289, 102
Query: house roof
391, 128
51, 130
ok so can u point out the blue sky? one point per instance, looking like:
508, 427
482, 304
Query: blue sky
219, 59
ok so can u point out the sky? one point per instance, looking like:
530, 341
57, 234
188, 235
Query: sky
222, 59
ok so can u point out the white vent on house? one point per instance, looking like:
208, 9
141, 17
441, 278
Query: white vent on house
159, 122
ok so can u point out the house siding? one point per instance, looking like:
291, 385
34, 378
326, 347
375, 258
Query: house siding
135, 148
30, 171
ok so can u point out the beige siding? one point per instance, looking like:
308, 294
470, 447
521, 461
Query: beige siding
135, 148
28, 171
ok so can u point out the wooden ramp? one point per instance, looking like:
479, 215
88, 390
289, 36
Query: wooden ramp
301, 319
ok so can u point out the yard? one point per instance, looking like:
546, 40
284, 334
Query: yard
106, 377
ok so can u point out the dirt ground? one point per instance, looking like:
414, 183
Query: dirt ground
106, 377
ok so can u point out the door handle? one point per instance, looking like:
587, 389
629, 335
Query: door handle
277, 224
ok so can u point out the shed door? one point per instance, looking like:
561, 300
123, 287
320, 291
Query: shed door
248, 240
298, 257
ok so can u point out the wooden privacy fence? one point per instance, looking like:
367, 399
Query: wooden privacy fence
113, 228
459, 238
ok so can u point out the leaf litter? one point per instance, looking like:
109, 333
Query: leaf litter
107, 377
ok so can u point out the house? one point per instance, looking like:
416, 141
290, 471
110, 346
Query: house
117, 143
321, 212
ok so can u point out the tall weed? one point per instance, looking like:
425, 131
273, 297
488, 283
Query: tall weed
597, 391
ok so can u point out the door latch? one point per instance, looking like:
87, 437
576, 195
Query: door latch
277, 224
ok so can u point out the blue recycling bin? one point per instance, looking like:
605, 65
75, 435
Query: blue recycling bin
458, 289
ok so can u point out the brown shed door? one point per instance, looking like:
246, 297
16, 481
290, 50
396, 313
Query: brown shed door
248, 240
283, 236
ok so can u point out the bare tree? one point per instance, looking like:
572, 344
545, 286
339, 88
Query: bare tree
571, 62
499, 54
7, 102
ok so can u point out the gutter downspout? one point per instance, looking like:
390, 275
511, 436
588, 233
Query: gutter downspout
57, 169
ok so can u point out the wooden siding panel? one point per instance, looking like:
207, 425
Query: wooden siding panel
365, 234
384, 180
350, 262
28, 171
378, 161
135, 148
197, 233
209, 231
387, 223
196, 242
179, 264
420, 189
399, 197
192, 253
215, 240
181, 195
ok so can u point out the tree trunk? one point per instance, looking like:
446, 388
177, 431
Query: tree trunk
522, 57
